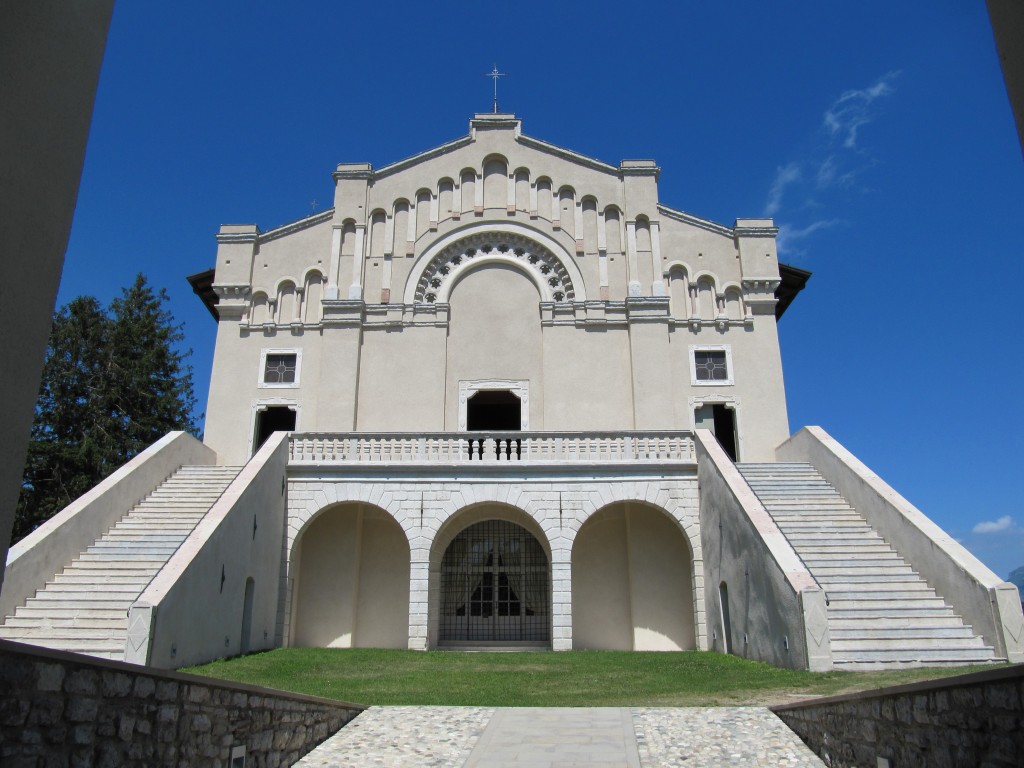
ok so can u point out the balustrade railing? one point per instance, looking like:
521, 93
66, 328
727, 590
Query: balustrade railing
489, 447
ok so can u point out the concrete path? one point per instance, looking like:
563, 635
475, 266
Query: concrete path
545, 737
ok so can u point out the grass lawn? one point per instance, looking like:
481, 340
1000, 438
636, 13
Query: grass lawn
577, 678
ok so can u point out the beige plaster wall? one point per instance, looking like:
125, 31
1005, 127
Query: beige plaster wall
352, 583
632, 585
494, 333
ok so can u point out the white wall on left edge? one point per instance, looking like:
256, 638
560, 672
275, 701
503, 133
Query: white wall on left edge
50, 68
193, 610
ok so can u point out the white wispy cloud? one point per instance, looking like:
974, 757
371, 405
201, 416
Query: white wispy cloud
788, 236
1004, 523
808, 187
853, 109
784, 177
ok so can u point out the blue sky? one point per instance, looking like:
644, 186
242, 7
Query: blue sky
877, 134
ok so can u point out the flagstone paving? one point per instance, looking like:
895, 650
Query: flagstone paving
546, 737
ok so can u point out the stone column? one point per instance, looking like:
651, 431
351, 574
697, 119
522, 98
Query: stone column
561, 600
631, 265
658, 281
334, 264
410, 230
355, 290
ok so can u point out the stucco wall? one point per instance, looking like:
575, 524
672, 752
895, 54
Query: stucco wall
990, 605
354, 586
776, 609
238, 539
632, 582
35, 559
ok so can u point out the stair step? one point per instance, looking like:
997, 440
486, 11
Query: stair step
898, 633
929, 655
29, 613
93, 634
844, 645
123, 605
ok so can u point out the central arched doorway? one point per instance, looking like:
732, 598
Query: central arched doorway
495, 586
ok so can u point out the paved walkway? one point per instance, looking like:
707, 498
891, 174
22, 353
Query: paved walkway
545, 737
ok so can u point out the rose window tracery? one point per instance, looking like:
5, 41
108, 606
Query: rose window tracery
443, 270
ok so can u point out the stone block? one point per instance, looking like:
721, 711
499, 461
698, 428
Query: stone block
166, 690
81, 709
198, 694
50, 677
115, 684
144, 687
81, 681
83, 734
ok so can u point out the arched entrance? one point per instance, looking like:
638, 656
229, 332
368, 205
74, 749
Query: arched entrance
632, 582
495, 586
352, 580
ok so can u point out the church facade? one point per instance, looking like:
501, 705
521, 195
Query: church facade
499, 284
501, 395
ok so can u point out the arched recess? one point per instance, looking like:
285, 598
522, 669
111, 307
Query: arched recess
287, 303
632, 581
351, 588
312, 296
490, 579
495, 182
259, 312
679, 291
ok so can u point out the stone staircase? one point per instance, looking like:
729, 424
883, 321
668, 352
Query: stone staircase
881, 613
85, 608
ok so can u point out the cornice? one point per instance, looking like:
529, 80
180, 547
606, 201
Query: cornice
756, 231
295, 226
687, 218
401, 165
567, 154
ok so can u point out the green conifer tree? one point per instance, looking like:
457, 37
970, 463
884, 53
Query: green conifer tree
113, 383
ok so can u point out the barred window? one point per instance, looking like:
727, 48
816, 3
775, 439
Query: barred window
280, 369
710, 365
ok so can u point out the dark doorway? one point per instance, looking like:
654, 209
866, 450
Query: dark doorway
275, 418
494, 410
722, 421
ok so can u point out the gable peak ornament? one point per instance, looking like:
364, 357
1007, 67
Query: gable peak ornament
494, 74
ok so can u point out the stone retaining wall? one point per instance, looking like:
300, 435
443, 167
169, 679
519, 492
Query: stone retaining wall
969, 720
63, 709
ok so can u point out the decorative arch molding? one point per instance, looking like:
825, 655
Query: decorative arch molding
485, 509
651, 495
538, 256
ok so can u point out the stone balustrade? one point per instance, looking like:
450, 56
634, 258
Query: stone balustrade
314, 448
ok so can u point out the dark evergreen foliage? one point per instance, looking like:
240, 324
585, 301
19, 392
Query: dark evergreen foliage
113, 383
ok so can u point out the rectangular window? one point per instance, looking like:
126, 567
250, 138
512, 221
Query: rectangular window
280, 367
711, 365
